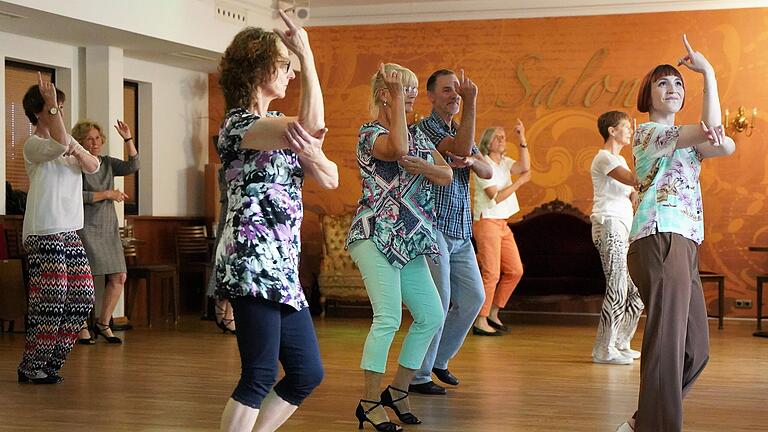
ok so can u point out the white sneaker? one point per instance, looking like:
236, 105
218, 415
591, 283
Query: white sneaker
629, 352
624, 427
612, 356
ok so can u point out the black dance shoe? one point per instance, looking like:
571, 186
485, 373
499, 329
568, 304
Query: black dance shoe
387, 401
362, 416
99, 329
427, 388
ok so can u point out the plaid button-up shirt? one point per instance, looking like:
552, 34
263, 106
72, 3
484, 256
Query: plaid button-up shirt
452, 207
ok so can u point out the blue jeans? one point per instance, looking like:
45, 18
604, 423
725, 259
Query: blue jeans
388, 288
268, 332
460, 286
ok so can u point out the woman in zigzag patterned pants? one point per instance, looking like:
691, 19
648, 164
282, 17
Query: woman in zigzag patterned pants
60, 299
60, 281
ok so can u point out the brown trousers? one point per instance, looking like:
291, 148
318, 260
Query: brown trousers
665, 268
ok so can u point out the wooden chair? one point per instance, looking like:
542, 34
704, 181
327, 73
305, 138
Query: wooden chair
706, 277
162, 276
193, 255
761, 280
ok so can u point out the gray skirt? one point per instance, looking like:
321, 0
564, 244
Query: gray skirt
104, 249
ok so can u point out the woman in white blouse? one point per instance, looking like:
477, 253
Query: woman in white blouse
495, 201
613, 185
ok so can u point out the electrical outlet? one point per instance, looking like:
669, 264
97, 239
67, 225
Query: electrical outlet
231, 13
743, 304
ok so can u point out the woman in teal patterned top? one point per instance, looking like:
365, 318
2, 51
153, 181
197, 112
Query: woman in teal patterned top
667, 229
390, 237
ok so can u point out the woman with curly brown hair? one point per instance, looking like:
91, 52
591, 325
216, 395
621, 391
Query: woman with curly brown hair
265, 156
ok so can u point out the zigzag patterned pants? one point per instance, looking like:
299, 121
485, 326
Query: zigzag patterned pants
60, 299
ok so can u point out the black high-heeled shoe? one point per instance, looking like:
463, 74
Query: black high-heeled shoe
99, 329
387, 401
84, 341
224, 325
362, 416
50, 379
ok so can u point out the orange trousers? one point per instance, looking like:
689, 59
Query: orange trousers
499, 262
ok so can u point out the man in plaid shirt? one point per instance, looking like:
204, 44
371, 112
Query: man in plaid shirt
456, 274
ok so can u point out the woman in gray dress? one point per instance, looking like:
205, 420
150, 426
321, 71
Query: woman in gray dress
100, 233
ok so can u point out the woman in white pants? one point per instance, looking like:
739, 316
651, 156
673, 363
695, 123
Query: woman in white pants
613, 184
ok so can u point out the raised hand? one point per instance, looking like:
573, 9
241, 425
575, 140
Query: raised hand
715, 134
47, 90
466, 88
304, 144
520, 130
694, 60
123, 129
295, 37
393, 81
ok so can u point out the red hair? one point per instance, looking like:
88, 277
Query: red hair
644, 103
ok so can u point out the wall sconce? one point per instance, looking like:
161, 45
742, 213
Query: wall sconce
740, 122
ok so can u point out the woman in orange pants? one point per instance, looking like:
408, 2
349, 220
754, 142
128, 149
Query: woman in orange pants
495, 201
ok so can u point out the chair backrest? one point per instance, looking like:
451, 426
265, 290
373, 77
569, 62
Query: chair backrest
13, 242
129, 247
192, 243
334, 229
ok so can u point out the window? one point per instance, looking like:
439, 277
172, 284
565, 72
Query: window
18, 78
131, 113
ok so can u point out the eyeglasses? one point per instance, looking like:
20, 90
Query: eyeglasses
411, 90
286, 66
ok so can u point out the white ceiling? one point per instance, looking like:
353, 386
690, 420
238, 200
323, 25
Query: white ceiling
165, 31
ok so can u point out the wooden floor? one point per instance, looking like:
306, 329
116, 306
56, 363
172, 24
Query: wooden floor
539, 378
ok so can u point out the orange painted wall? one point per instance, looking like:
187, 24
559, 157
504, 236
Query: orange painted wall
558, 75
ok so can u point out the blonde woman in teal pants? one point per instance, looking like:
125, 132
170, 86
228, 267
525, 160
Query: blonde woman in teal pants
389, 239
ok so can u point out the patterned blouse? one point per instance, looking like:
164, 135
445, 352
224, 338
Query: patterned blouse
396, 210
670, 194
258, 252
454, 212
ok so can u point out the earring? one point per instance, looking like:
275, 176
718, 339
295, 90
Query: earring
385, 103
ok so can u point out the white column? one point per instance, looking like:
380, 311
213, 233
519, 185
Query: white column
104, 104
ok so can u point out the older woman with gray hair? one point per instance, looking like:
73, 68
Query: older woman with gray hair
495, 201
100, 233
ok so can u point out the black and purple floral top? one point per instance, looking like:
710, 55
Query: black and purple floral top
258, 253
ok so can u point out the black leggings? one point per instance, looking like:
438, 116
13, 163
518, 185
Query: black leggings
268, 332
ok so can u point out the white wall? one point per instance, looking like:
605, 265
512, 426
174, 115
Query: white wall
179, 137
173, 140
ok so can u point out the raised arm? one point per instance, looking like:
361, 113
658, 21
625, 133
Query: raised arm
394, 145
462, 143
119, 166
311, 110
497, 195
524, 164
710, 134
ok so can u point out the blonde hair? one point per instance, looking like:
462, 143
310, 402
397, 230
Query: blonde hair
81, 129
485, 140
407, 78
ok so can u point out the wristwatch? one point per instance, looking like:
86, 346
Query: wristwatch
53, 111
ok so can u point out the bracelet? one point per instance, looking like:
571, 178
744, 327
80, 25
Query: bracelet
127, 139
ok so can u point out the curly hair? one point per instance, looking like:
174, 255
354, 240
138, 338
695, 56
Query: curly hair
249, 61
81, 129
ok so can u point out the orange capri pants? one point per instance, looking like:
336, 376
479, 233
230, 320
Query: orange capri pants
499, 262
